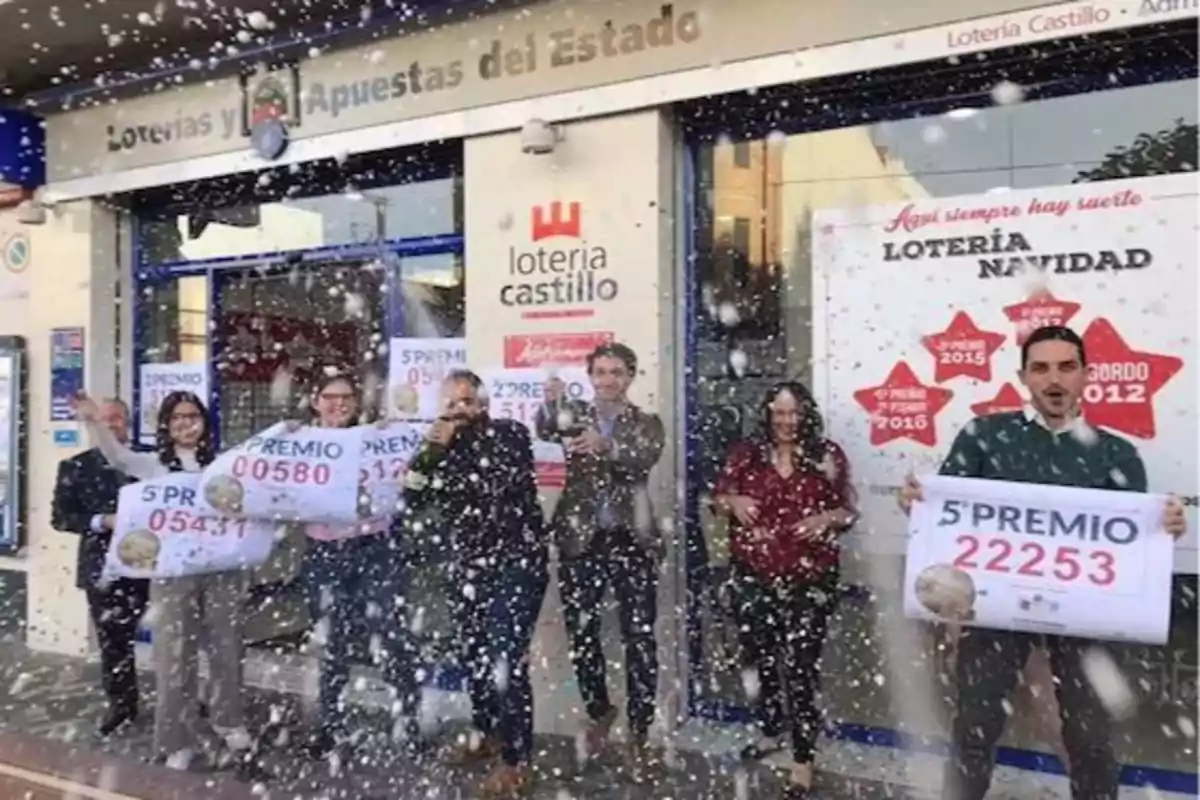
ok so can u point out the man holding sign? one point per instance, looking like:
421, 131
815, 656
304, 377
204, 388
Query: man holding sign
1049, 443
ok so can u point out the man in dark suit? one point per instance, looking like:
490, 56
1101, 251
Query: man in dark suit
606, 535
85, 502
475, 478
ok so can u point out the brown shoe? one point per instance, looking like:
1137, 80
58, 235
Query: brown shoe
596, 732
471, 749
506, 780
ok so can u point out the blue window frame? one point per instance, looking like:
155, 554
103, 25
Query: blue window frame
294, 206
393, 254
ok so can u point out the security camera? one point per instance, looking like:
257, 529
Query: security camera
31, 212
539, 137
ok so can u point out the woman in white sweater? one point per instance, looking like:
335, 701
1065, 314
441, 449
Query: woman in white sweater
189, 609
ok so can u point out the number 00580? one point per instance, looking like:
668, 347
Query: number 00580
1034, 560
262, 469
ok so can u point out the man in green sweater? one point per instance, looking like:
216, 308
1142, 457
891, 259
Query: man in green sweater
1048, 443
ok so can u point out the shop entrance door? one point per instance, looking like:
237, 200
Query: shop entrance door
275, 326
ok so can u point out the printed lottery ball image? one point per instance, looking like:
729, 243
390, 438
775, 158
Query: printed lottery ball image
946, 591
139, 550
406, 399
225, 493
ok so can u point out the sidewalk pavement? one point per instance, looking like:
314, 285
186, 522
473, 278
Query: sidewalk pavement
50, 706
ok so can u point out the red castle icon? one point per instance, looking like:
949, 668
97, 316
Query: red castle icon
555, 224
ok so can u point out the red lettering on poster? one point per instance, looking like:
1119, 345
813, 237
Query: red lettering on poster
1040, 310
1007, 400
903, 408
552, 349
963, 350
1122, 382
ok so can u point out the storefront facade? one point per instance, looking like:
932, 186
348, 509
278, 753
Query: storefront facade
693, 146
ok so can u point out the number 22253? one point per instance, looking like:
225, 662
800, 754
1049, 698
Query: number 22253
1033, 560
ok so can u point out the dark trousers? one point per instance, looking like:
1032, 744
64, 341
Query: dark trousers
116, 611
496, 625
356, 590
782, 624
613, 559
989, 664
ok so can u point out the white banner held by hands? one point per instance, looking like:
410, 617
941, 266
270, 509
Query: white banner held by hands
306, 474
519, 394
416, 368
1046, 559
164, 530
387, 449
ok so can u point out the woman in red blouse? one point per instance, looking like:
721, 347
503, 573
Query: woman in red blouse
789, 497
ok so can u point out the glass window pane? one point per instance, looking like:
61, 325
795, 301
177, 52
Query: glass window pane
427, 208
432, 293
173, 321
754, 283
278, 329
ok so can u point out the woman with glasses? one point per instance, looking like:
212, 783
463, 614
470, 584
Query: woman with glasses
188, 609
788, 495
355, 580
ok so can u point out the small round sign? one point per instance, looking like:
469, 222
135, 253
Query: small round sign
269, 138
16, 253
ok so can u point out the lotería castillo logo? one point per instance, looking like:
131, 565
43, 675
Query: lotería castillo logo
545, 226
557, 282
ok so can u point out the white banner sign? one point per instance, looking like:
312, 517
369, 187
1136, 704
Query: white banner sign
416, 368
159, 380
518, 394
308, 474
387, 449
922, 306
1030, 557
164, 530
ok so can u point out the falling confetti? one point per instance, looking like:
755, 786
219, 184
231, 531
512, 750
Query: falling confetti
1108, 682
1007, 93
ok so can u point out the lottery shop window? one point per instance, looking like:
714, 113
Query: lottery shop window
173, 321
780, 155
407, 193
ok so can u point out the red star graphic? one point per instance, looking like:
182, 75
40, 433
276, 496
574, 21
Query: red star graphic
1040, 310
903, 408
1006, 400
1122, 382
963, 349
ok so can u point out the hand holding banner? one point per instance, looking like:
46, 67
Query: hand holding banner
293, 474
164, 530
1047, 559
